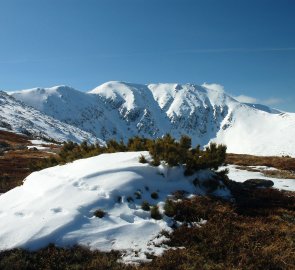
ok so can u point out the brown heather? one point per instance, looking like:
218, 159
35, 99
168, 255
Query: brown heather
281, 163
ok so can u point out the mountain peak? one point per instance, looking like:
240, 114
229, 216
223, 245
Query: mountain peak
214, 86
60, 87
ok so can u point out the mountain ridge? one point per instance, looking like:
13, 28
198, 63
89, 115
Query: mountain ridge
119, 110
18, 117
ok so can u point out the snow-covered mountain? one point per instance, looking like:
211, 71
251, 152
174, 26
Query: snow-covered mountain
18, 117
205, 113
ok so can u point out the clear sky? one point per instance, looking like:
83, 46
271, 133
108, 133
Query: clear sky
248, 46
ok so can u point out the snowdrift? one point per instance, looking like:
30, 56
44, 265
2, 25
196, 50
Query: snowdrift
57, 205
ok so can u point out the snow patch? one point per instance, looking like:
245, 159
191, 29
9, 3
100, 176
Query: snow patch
57, 205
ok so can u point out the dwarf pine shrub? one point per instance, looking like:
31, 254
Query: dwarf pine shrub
169, 208
137, 195
165, 149
155, 214
137, 144
142, 159
130, 199
99, 213
145, 206
176, 153
154, 195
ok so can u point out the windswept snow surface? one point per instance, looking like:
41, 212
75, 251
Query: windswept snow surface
119, 110
56, 205
18, 117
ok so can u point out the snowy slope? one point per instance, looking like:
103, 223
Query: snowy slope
258, 133
66, 104
18, 117
205, 113
134, 110
193, 110
37, 213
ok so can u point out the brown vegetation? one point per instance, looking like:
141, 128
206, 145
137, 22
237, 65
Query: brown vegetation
282, 163
279, 174
15, 167
285, 165
14, 139
16, 160
231, 238
53, 257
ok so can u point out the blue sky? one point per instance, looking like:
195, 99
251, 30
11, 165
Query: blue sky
248, 46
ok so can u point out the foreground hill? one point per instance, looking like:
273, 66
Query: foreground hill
102, 203
96, 202
18, 117
121, 110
